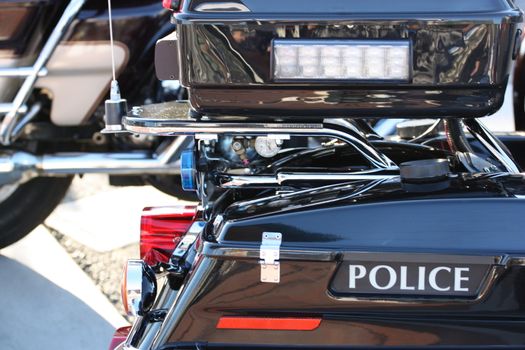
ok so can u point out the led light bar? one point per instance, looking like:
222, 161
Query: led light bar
360, 60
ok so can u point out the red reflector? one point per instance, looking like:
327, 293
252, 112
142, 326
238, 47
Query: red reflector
173, 5
273, 324
119, 337
161, 228
166, 4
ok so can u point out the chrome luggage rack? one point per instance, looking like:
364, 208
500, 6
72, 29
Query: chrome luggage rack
174, 119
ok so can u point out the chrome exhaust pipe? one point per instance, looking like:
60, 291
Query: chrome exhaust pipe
21, 166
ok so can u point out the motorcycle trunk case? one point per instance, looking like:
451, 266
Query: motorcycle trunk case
460, 54
470, 233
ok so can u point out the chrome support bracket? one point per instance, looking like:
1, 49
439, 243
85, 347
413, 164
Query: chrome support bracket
172, 119
31, 74
206, 137
269, 255
21, 72
189, 238
7, 107
495, 147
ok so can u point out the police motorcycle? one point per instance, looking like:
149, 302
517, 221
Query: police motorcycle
312, 231
55, 70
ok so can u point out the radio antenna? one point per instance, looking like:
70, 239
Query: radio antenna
116, 106
112, 43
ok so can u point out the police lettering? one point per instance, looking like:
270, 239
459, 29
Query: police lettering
433, 278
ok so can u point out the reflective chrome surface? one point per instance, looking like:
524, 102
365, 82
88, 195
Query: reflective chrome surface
221, 7
239, 181
18, 166
492, 144
132, 288
21, 72
164, 123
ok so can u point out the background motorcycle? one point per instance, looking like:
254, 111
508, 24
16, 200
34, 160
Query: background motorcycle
55, 70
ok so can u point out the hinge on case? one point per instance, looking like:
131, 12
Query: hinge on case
269, 255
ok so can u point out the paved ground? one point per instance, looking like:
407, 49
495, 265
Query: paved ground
60, 284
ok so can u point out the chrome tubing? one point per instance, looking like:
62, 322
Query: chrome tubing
341, 130
247, 181
492, 144
22, 166
7, 107
28, 116
21, 72
11, 118
106, 163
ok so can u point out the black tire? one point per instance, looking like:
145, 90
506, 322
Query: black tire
29, 206
171, 185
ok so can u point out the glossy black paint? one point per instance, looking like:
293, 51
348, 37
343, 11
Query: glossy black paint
344, 158
232, 288
466, 205
476, 216
218, 346
25, 24
515, 142
460, 58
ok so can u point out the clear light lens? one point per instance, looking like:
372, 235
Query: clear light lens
341, 60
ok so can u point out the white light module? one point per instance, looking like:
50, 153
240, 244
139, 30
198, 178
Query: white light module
360, 60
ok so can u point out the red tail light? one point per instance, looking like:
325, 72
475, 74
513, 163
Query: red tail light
161, 228
269, 323
173, 5
119, 337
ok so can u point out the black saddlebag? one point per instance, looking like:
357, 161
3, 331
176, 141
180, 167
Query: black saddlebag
329, 58
383, 268
22, 23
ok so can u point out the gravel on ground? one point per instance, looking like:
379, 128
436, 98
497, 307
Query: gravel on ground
105, 269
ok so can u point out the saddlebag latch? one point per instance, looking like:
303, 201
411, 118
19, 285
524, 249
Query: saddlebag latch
269, 255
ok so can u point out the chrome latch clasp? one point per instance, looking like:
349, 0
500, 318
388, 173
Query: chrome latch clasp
269, 254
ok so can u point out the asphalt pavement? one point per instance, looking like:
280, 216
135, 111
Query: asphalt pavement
48, 299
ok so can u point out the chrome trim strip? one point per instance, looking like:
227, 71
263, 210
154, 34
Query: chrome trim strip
245, 181
20, 72
239, 251
7, 107
251, 251
11, 118
221, 7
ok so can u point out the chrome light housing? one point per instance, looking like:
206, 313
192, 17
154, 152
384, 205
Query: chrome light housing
139, 288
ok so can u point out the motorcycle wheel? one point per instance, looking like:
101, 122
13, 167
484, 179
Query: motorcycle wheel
171, 185
24, 207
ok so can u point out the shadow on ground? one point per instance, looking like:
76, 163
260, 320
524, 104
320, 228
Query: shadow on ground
36, 311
